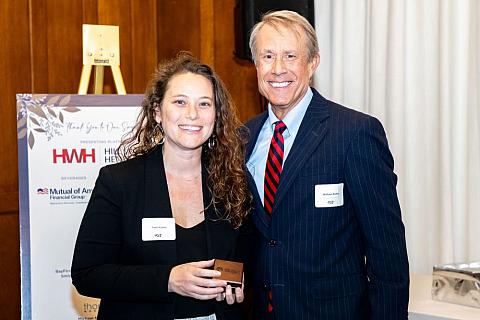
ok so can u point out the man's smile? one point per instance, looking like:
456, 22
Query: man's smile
282, 84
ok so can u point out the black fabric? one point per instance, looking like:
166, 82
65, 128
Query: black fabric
191, 246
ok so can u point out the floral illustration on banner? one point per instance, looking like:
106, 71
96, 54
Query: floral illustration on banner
45, 117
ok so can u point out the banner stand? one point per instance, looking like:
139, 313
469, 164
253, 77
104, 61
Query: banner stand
63, 141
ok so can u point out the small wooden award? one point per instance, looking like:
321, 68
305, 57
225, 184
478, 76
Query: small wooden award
231, 271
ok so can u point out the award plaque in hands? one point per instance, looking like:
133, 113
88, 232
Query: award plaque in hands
232, 272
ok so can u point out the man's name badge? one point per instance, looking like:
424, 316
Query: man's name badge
328, 195
232, 272
154, 229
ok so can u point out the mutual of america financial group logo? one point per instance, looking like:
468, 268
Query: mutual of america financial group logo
42, 191
78, 194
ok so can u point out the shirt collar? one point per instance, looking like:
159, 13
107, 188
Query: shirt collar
294, 117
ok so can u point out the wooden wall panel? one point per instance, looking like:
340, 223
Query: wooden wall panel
117, 12
38, 45
9, 267
238, 75
15, 75
90, 11
178, 27
207, 31
63, 25
144, 54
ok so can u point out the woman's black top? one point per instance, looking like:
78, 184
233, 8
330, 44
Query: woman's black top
191, 246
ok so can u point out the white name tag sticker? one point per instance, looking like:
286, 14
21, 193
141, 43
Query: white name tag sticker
328, 195
154, 229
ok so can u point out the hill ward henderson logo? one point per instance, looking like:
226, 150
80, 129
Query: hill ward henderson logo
73, 155
42, 191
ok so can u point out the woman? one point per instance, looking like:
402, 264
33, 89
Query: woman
156, 222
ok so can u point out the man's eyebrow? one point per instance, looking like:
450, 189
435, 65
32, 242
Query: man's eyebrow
267, 51
284, 51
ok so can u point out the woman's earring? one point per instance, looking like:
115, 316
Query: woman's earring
158, 130
212, 141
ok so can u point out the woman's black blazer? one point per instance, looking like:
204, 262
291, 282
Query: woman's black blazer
130, 276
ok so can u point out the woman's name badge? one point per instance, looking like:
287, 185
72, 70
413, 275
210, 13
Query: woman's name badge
154, 229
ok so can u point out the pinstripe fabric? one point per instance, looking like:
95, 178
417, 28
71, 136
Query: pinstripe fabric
346, 262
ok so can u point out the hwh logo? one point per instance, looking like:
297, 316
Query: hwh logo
66, 156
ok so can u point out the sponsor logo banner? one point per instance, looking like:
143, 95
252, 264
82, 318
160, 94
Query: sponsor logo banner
63, 141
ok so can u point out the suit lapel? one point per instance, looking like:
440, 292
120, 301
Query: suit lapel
210, 216
310, 134
157, 200
263, 217
255, 128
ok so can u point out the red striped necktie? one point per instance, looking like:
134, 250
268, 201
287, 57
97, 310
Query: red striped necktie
273, 168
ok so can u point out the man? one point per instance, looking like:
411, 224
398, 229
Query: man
332, 243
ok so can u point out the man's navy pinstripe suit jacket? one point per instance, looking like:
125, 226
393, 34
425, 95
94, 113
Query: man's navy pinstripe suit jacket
345, 262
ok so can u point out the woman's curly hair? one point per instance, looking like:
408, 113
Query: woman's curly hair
226, 180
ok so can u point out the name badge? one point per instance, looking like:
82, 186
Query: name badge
328, 195
154, 229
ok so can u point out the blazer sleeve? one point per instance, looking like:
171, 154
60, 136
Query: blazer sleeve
371, 183
96, 267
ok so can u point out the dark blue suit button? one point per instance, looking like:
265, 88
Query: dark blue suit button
272, 243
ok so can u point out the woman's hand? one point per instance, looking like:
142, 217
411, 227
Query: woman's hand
232, 296
192, 280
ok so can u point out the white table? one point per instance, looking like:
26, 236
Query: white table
422, 307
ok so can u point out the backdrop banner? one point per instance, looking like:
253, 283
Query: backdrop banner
63, 141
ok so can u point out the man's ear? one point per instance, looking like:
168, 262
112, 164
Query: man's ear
313, 64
